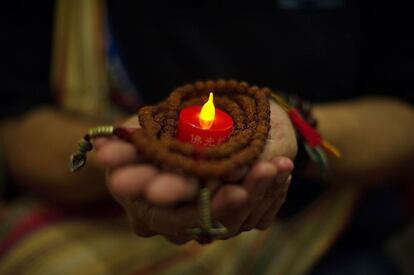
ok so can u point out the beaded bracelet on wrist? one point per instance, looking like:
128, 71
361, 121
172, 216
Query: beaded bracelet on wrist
311, 145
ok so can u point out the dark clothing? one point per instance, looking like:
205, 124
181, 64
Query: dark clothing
312, 52
321, 54
25, 44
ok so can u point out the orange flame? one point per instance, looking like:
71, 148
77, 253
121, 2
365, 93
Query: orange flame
207, 114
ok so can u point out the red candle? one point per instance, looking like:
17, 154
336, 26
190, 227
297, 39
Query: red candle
204, 125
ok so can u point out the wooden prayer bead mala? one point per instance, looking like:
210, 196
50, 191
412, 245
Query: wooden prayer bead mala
155, 142
247, 105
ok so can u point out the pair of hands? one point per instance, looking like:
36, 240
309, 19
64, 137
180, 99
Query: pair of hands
162, 203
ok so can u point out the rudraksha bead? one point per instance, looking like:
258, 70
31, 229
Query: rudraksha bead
247, 105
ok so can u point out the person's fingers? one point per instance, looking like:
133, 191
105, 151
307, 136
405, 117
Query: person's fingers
99, 142
271, 196
226, 206
167, 189
136, 213
171, 221
269, 216
284, 166
130, 182
255, 185
179, 240
115, 153
283, 163
227, 199
236, 175
257, 181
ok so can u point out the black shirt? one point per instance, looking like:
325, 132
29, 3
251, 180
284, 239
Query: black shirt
322, 54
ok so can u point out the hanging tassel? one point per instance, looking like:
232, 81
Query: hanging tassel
78, 159
323, 159
331, 149
315, 146
312, 137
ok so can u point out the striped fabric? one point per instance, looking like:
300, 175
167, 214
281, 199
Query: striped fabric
79, 72
38, 239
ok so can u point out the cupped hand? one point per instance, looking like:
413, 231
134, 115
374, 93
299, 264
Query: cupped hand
158, 202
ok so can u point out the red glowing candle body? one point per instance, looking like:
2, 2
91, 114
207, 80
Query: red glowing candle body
189, 128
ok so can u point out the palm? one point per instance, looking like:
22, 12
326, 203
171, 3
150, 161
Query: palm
253, 201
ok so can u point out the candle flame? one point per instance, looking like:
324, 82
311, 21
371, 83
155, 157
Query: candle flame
207, 113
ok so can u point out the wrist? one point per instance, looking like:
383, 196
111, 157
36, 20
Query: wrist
311, 144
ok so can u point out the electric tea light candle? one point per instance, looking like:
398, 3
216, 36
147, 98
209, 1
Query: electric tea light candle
204, 125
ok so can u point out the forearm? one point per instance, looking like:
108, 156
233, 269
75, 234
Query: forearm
375, 136
37, 147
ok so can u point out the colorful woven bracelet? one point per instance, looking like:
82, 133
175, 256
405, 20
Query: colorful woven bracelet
311, 145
